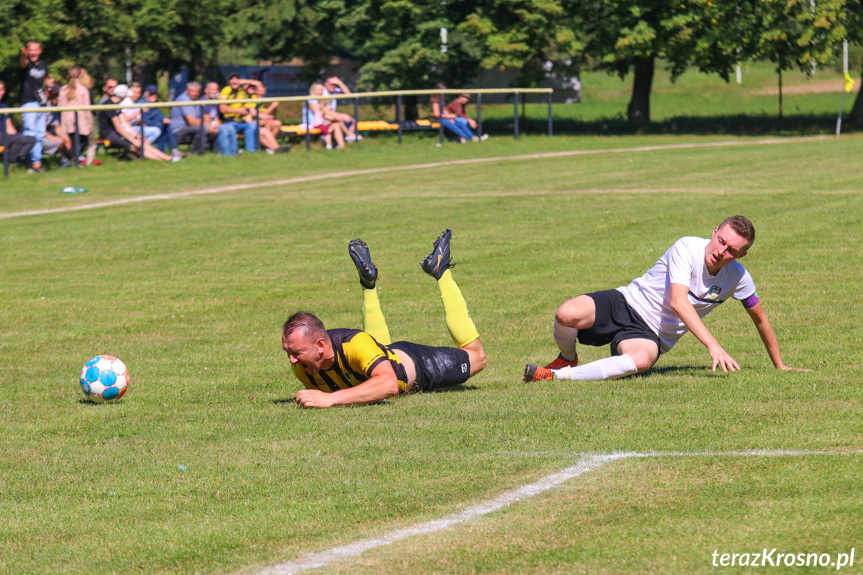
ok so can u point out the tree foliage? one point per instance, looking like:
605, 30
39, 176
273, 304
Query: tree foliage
534, 36
398, 42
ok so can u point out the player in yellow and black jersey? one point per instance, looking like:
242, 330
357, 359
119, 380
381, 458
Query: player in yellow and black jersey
356, 355
349, 366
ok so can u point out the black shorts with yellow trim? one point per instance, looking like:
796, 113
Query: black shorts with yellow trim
436, 367
614, 322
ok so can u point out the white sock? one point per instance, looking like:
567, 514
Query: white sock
608, 368
565, 338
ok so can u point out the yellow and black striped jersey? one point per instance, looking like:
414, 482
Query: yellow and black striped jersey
357, 355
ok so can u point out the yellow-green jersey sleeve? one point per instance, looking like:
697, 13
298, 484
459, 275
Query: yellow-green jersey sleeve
363, 354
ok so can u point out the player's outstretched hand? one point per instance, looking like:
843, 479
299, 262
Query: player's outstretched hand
314, 398
723, 360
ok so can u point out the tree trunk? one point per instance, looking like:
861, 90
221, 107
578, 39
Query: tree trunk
639, 106
780, 94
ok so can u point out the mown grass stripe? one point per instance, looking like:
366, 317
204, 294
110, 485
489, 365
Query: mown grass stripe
411, 167
587, 463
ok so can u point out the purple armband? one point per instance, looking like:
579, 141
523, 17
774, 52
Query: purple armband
751, 301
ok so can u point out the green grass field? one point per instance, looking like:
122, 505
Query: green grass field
191, 293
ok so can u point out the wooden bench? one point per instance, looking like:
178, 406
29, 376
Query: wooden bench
366, 126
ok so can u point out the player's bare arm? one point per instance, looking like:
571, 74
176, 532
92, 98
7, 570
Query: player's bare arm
679, 303
381, 385
768, 336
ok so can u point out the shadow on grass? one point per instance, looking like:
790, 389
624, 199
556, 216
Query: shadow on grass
669, 370
453, 389
735, 125
702, 370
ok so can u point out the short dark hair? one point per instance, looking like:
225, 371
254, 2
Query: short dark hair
306, 321
742, 226
232, 76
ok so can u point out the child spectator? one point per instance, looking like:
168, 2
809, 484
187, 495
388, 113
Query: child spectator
318, 115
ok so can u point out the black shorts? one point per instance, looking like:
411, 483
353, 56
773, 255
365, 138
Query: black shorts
614, 322
436, 367
117, 140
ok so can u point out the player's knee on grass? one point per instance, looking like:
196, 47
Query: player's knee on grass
578, 312
643, 352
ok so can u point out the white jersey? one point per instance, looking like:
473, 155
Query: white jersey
683, 263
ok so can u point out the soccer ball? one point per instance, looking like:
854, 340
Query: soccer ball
104, 379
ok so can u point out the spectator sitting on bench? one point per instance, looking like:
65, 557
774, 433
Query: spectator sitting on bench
155, 118
134, 116
226, 135
113, 127
256, 89
333, 86
267, 121
19, 146
108, 91
468, 124
236, 113
448, 119
315, 117
186, 120
77, 93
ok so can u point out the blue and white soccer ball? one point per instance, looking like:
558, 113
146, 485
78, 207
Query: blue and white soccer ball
104, 379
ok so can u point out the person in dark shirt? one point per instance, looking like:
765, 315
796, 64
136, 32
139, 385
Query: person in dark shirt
33, 72
113, 127
18, 146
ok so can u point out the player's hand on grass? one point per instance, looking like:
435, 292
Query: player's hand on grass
314, 398
789, 368
722, 359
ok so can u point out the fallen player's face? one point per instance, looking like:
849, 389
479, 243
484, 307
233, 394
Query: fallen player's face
305, 351
725, 246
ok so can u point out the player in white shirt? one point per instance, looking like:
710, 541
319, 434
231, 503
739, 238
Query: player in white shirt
648, 316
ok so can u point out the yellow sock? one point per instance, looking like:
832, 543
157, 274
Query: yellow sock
373, 318
458, 322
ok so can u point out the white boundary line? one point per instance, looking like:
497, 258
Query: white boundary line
391, 169
587, 463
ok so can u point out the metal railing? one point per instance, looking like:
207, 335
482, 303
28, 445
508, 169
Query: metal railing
517, 93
